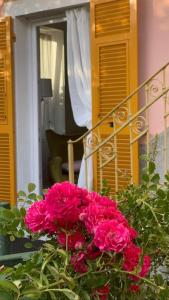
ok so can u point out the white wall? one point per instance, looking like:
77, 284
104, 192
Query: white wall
25, 7
153, 49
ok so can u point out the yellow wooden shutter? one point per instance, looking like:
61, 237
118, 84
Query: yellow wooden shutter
114, 76
7, 132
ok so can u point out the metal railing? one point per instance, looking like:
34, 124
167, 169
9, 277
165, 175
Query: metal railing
105, 149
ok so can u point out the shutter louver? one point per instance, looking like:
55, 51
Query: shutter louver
3, 100
114, 77
4, 167
7, 126
112, 17
113, 73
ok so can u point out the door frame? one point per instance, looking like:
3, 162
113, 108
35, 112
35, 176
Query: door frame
27, 101
36, 97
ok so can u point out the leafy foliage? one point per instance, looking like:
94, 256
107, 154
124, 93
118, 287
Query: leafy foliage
48, 274
146, 207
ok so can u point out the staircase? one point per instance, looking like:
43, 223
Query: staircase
104, 150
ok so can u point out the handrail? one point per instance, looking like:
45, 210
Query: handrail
118, 106
127, 123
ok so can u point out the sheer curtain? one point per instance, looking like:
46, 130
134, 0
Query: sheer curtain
79, 75
52, 65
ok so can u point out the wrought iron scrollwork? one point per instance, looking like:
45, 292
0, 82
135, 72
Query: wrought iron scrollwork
155, 88
139, 125
124, 173
92, 141
107, 151
121, 115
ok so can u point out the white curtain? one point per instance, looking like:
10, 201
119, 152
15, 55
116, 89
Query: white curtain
79, 76
52, 66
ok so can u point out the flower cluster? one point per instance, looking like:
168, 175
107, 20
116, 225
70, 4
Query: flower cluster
89, 226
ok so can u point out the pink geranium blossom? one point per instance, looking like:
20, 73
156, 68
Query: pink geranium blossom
92, 252
112, 236
131, 257
146, 266
65, 202
89, 224
95, 214
38, 220
134, 288
102, 200
78, 262
102, 292
75, 240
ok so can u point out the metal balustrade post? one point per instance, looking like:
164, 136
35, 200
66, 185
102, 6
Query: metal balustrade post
147, 121
165, 121
71, 161
116, 156
86, 162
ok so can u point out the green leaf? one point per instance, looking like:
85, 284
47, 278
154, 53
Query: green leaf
23, 211
156, 178
39, 197
161, 193
153, 187
21, 200
151, 167
5, 295
31, 187
21, 194
20, 233
28, 245
53, 272
32, 196
85, 296
70, 294
145, 178
7, 285
12, 238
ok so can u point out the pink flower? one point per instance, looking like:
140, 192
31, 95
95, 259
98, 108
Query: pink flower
146, 266
103, 292
133, 233
112, 236
131, 257
94, 214
92, 252
76, 240
78, 262
38, 220
134, 288
65, 202
102, 200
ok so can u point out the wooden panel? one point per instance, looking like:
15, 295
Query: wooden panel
114, 76
7, 112
123, 164
112, 17
3, 34
3, 100
4, 167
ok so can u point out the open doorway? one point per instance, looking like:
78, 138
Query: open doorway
57, 125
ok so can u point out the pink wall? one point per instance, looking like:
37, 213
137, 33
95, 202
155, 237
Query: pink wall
153, 16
